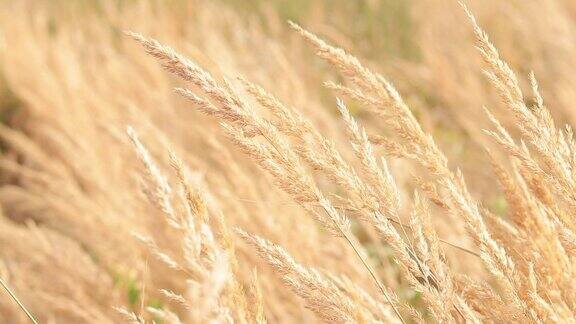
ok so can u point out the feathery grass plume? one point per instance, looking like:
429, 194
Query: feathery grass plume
161, 193
320, 294
546, 172
129, 316
374, 90
256, 298
213, 294
374, 197
421, 147
417, 257
272, 151
413, 143
276, 155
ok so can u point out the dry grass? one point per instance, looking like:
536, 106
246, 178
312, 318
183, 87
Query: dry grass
225, 184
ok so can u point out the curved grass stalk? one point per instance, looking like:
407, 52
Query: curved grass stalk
22, 307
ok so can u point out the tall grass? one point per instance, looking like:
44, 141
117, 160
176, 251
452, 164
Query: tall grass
216, 186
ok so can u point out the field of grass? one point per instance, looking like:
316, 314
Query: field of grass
171, 161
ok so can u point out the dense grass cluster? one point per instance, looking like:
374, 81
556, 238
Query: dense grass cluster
242, 182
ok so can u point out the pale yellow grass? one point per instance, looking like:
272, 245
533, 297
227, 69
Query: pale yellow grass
243, 191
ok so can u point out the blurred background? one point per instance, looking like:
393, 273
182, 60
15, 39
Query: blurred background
71, 80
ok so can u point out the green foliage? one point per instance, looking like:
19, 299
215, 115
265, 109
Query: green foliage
499, 206
130, 286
